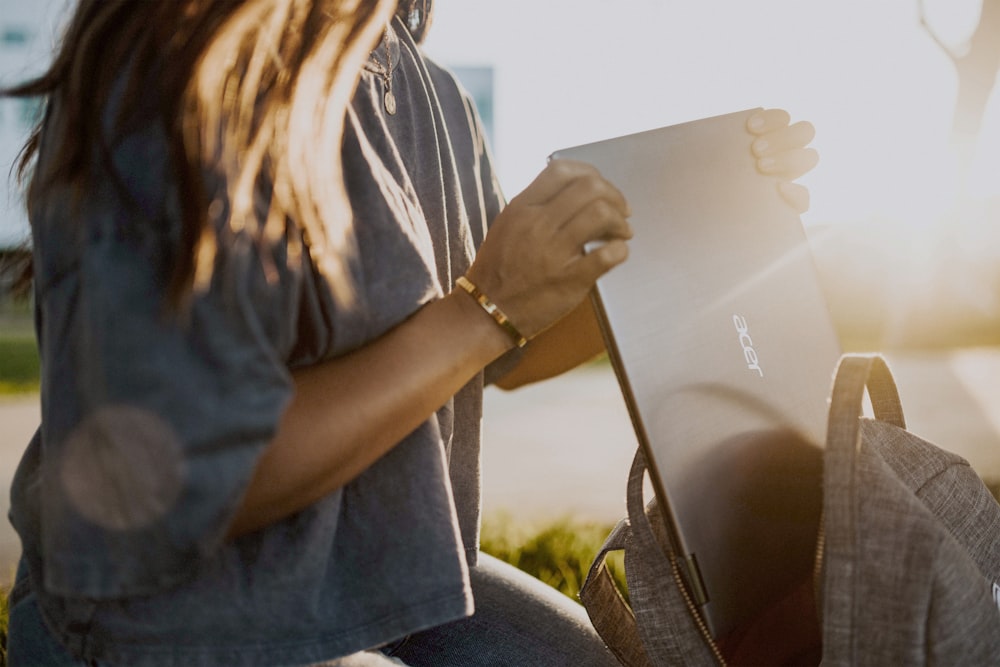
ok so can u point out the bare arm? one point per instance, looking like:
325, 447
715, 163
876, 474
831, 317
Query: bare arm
573, 340
348, 412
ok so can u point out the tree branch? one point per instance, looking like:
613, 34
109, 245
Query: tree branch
933, 35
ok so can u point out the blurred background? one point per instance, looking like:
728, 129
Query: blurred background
902, 93
905, 216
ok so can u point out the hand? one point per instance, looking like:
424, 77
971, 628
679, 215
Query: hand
532, 263
781, 151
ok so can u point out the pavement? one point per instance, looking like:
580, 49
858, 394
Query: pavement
562, 448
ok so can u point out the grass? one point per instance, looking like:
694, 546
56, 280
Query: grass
4, 617
558, 554
19, 366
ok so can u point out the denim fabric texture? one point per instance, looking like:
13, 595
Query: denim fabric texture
125, 545
518, 621
29, 642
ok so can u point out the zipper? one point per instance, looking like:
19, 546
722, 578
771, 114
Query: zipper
818, 567
693, 610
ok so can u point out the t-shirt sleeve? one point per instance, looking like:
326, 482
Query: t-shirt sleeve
153, 421
481, 190
492, 202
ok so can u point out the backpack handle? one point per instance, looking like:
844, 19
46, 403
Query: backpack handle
662, 625
610, 614
854, 373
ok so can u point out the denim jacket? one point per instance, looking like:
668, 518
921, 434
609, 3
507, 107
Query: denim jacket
152, 426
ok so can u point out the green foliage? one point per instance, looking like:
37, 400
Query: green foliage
559, 553
19, 365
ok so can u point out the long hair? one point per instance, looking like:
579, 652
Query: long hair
256, 89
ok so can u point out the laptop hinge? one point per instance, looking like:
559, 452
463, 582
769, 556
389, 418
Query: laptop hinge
698, 589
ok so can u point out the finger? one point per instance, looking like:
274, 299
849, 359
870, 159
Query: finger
583, 191
557, 175
793, 136
597, 221
789, 164
795, 194
767, 120
600, 260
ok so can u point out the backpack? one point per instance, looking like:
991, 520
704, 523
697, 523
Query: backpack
907, 566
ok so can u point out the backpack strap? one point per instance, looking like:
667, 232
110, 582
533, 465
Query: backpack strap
662, 626
854, 373
670, 623
612, 617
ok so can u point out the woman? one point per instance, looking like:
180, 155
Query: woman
261, 390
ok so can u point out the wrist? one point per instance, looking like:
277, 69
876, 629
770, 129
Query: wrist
477, 324
491, 309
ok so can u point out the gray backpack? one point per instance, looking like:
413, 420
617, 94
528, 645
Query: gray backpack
907, 565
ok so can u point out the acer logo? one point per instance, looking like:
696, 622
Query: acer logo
750, 354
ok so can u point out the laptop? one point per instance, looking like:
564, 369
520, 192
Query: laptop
724, 349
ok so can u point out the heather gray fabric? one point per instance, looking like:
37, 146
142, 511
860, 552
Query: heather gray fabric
607, 609
908, 563
910, 568
660, 627
677, 639
947, 485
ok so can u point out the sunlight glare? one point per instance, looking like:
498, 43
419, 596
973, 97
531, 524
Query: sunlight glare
952, 20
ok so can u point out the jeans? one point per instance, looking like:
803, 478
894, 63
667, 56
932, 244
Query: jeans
518, 621
29, 642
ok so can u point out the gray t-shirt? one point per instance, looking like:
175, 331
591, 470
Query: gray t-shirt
151, 426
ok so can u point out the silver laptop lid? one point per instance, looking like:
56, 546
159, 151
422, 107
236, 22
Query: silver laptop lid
724, 349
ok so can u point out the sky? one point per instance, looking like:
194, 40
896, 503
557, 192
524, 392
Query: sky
865, 73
